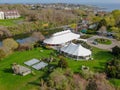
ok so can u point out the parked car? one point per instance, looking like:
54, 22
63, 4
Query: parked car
95, 43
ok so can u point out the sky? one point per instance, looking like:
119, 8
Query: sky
61, 1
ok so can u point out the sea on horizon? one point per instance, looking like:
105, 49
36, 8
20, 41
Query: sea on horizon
104, 6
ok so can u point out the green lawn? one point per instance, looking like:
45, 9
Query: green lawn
8, 81
10, 22
97, 64
116, 82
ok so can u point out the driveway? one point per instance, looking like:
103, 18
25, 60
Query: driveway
102, 46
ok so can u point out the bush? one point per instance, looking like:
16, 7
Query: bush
84, 44
116, 51
91, 31
85, 36
24, 47
103, 41
91, 85
113, 68
2, 54
62, 63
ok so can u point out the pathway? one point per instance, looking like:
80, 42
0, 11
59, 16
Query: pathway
102, 46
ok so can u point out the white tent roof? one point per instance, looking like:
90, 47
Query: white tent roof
31, 62
76, 50
61, 37
39, 65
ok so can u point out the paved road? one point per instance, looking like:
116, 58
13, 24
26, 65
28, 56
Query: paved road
101, 46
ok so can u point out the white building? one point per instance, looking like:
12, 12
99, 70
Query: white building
2, 15
61, 38
11, 14
76, 51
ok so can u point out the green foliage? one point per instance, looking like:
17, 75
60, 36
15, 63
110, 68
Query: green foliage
96, 19
116, 51
10, 43
110, 21
2, 54
102, 23
83, 43
116, 30
91, 31
103, 41
62, 63
113, 68
116, 15
58, 79
91, 85
87, 74
85, 36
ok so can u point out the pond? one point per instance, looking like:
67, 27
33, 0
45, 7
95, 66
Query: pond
26, 37
24, 40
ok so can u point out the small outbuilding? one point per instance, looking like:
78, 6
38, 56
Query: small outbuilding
21, 70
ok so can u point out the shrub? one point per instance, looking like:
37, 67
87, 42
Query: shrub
91, 85
116, 51
2, 54
62, 63
113, 68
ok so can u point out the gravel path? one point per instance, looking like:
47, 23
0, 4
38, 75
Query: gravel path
102, 46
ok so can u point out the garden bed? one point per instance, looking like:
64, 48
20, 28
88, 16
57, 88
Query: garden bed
103, 41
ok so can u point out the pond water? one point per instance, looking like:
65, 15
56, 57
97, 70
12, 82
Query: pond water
24, 40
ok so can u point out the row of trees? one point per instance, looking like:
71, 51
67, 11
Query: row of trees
113, 66
111, 21
65, 79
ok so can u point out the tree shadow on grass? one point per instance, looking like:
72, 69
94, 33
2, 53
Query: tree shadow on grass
34, 83
100, 68
8, 70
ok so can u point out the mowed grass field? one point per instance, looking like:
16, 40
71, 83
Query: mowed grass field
8, 81
10, 22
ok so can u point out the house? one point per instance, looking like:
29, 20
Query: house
10, 14
21, 70
2, 15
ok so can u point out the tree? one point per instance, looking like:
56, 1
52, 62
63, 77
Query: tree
102, 23
116, 51
10, 43
116, 30
91, 85
57, 79
38, 36
96, 19
110, 21
116, 15
113, 68
62, 63
32, 17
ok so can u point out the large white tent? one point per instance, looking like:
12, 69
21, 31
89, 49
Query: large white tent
62, 37
76, 51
